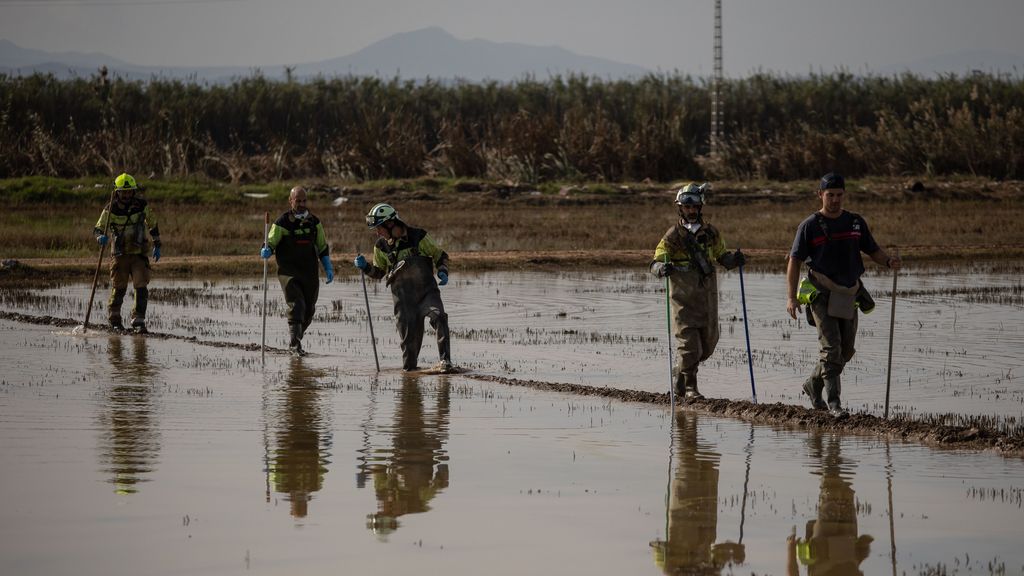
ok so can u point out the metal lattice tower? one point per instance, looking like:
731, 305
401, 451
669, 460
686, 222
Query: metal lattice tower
716, 87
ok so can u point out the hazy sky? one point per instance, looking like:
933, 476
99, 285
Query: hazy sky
793, 36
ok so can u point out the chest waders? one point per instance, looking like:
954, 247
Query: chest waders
417, 297
129, 264
694, 298
299, 274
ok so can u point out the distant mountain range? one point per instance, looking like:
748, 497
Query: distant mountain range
434, 53
426, 53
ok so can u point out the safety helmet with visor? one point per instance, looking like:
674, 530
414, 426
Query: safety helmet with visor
380, 214
692, 194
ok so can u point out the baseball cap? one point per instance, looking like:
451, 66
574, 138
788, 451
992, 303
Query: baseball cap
832, 180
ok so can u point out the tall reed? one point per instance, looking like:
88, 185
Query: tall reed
255, 129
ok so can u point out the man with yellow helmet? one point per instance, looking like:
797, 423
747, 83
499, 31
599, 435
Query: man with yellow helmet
127, 219
685, 256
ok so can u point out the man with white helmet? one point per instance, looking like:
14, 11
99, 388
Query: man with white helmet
406, 257
685, 255
127, 219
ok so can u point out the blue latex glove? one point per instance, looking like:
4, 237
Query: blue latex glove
328, 268
443, 277
265, 252
156, 254
360, 262
102, 239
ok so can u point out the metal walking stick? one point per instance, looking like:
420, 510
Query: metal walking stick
99, 264
266, 233
746, 329
369, 318
892, 324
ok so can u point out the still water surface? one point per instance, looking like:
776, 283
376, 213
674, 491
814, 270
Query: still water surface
134, 455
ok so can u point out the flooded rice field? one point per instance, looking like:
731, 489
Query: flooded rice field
182, 452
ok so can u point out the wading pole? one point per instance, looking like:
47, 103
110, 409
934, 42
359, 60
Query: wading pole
746, 329
99, 263
892, 324
668, 324
369, 318
266, 233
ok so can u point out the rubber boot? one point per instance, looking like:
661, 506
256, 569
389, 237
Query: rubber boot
813, 388
114, 308
139, 325
680, 385
833, 387
295, 345
444, 346
139, 310
690, 391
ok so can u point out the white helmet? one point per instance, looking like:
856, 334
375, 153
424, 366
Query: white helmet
692, 194
380, 214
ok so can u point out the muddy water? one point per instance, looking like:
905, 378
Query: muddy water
956, 343
135, 455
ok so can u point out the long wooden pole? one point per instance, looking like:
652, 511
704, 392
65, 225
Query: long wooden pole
892, 325
369, 318
99, 263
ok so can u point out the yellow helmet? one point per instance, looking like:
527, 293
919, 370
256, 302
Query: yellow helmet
125, 182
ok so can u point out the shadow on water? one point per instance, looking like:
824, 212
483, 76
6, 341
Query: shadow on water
130, 441
297, 435
831, 543
691, 517
406, 461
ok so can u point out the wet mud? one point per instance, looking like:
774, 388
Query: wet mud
797, 417
104, 329
789, 416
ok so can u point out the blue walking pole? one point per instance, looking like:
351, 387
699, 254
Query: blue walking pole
746, 329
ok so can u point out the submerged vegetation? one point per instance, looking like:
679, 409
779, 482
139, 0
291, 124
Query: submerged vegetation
570, 129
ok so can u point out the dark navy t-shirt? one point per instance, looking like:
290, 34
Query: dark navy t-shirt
832, 246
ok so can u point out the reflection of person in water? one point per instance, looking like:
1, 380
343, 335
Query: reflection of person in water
299, 458
418, 466
131, 444
693, 509
831, 545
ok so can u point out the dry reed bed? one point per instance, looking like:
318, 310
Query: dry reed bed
575, 128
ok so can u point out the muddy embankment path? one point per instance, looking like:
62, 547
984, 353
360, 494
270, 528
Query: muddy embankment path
781, 415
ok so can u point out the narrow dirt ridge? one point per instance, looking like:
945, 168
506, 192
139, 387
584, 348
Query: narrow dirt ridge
777, 414
68, 322
797, 417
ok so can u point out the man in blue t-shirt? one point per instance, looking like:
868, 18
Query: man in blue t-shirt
830, 241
